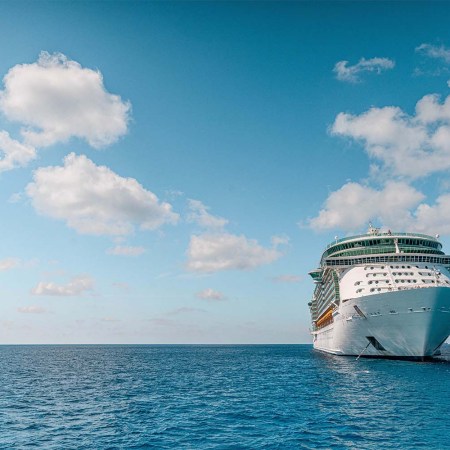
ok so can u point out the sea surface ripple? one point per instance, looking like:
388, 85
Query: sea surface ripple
218, 397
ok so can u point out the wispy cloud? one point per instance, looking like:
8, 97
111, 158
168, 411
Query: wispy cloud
9, 263
210, 295
123, 250
76, 286
31, 309
184, 310
433, 51
287, 278
346, 72
199, 214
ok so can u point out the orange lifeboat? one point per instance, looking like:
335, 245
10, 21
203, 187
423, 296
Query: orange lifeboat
326, 318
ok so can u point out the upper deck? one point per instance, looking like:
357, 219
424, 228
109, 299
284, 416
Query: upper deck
377, 243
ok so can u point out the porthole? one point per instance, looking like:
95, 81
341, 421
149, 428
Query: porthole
376, 282
403, 281
379, 289
396, 281
370, 282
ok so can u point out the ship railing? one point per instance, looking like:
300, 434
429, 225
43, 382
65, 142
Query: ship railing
391, 235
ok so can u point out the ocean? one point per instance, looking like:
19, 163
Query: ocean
218, 397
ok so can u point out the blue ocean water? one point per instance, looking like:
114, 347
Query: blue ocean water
218, 397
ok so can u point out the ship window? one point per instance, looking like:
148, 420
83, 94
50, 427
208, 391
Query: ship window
388, 282
372, 290
423, 281
396, 281
376, 282
426, 267
357, 283
379, 289
391, 267
432, 281
384, 274
409, 267
403, 281
370, 282
403, 267
371, 268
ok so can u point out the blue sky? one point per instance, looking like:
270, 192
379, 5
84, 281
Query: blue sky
170, 172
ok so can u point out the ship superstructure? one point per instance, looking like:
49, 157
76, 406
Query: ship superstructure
382, 294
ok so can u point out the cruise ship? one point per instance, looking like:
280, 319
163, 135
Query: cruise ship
382, 294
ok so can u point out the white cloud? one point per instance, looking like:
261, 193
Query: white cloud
55, 98
210, 295
345, 72
223, 251
353, 205
279, 240
9, 263
435, 218
123, 250
76, 286
287, 279
434, 51
13, 153
31, 309
397, 206
200, 215
400, 141
94, 200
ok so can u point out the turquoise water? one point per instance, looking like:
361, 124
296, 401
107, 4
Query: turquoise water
218, 397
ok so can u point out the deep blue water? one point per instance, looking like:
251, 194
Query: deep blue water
224, 397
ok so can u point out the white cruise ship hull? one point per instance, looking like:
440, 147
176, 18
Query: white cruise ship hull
411, 323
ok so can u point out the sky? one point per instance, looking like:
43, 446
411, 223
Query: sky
171, 171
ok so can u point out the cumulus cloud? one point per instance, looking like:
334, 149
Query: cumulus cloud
210, 295
56, 99
123, 250
13, 153
9, 263
353, 205
31, 309
224, 251
76, 286
94, 200
199, 214
351, 74
399, 141
433, 51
